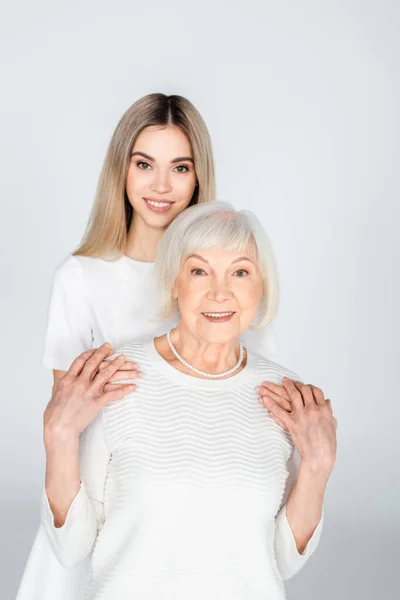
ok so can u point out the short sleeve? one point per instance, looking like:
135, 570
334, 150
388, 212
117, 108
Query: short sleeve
69, 332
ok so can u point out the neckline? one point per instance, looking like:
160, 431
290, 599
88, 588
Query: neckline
161, 365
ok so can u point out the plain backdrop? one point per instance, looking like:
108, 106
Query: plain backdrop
302, 102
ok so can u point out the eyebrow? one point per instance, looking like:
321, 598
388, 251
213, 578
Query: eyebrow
206, 261
174, 161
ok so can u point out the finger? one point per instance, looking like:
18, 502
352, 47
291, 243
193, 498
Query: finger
306, 393
122, 375
102, 377
92, 364
318, 394
110, 387
294, 394
79, 362
117, 394
279, 412
278, 421
279, 390
127, 366
285, 404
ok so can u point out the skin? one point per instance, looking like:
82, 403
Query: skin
163, 178
211, 281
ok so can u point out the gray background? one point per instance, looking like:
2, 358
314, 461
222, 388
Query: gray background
301, 99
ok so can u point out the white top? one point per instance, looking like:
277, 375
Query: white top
183, 490
95, 301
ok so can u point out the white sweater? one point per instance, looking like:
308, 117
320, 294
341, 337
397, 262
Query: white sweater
183, 490
95, 301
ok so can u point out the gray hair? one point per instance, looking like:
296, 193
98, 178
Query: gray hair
211, 226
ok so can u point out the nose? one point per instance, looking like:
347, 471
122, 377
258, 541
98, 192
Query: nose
161, 182
219, 290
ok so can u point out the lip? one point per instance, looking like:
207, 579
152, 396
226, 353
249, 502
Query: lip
158, 209
219, 319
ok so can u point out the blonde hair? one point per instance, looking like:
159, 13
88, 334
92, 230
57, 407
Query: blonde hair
211, 226
111, 216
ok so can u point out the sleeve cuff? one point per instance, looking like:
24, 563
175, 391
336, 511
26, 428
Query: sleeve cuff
288, 557
72, 541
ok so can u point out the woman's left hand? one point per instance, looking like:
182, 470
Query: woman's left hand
311, 423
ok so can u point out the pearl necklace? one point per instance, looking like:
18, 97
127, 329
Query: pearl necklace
196, 370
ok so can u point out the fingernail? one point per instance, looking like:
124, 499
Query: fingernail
258, 390
139, 373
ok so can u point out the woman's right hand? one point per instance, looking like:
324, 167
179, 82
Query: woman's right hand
81, 393
126, 371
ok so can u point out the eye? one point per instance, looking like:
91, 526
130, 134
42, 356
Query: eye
241, 273
184, 167
198, 272
143, 165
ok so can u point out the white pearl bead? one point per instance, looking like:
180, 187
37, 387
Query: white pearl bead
196, 370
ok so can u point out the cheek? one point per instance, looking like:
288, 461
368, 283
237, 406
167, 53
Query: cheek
248, 295
135, 181
190, 292
184, 185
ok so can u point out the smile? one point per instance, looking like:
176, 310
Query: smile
218, 316
158, 205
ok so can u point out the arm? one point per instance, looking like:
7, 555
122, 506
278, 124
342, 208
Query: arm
72, 501
299, 522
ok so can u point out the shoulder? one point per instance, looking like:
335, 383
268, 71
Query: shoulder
270, 370
75, 267
69, 266
133, 351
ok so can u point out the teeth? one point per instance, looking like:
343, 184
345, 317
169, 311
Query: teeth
219, 315
158, 204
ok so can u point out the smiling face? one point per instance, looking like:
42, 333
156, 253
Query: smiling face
218, 293
161, 177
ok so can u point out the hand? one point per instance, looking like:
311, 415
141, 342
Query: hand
80, 394
311, 425
127, 371
277, 393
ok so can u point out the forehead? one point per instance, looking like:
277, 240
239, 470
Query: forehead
161, 141
223, 255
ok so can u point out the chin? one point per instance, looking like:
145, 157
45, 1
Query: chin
156, 221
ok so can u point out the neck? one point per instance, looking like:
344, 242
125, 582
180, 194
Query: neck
209, 357
142, 241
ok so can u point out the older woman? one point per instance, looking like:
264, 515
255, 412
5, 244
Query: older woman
188, 488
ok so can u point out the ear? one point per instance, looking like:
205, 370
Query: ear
175, 292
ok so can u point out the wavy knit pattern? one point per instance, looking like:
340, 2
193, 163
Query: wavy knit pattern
195, 480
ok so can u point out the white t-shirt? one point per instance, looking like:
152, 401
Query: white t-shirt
95, 301
184, 485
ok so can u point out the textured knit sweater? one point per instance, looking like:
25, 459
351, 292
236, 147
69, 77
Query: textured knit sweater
183, 490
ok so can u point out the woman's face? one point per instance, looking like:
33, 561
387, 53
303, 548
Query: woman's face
218, 293
161, 177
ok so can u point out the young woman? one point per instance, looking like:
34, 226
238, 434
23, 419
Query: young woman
158, 163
